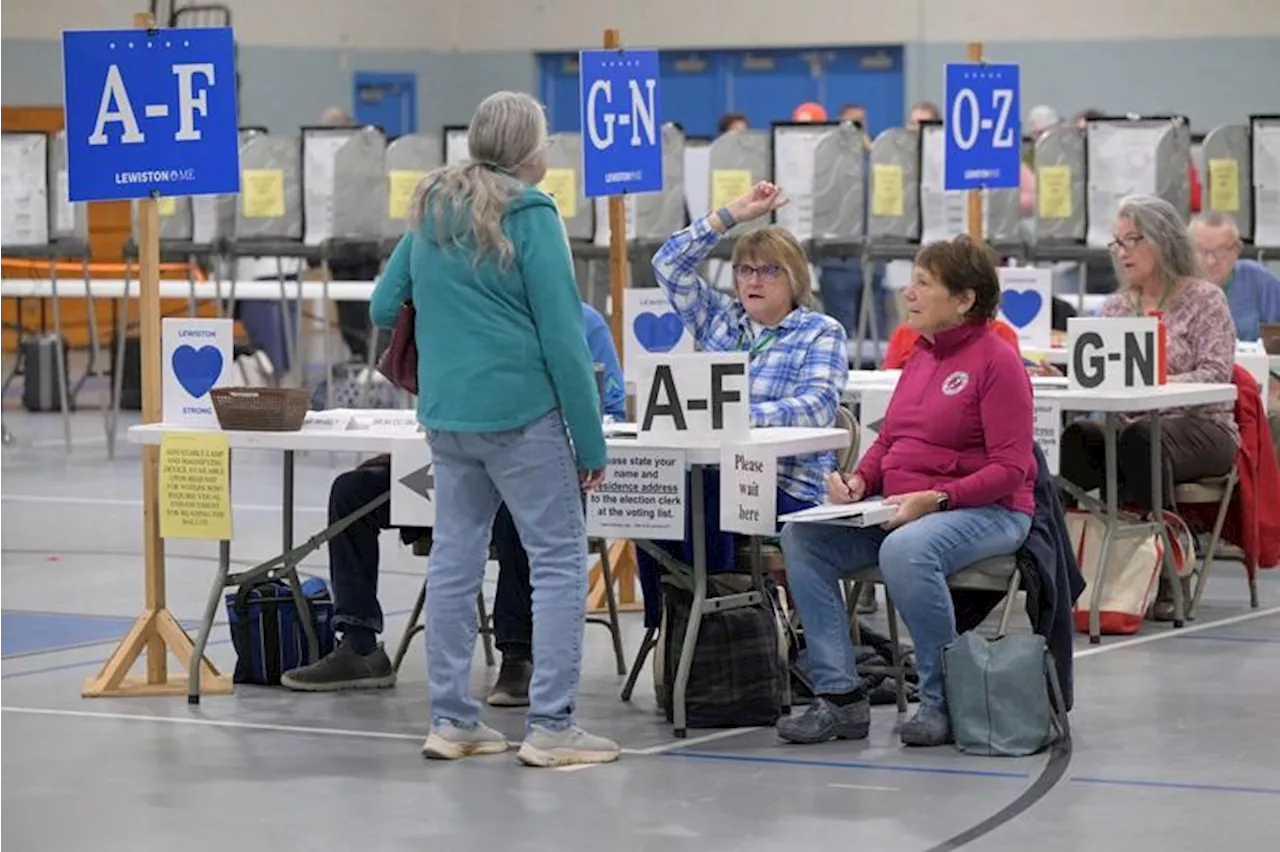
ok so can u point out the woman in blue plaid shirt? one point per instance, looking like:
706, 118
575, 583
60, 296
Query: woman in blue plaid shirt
799, 363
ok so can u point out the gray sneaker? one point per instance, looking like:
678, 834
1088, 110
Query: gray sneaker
546, 747
343, 669
512, 688
931, 726
448, 741
823, 721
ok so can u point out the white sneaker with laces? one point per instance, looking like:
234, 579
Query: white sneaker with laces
545, 747
448, 741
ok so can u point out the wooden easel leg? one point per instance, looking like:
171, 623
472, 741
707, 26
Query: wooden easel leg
158, 633
626, 575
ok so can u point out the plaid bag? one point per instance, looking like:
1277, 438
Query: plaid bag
739, 675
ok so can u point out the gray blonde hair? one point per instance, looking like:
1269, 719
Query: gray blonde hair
1160, 225
466, 202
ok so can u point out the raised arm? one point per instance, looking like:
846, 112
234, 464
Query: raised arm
552, 291
675, 265
394, 286
816, 395
1008, 425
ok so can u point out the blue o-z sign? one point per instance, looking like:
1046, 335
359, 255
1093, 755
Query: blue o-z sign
983, 127
150, 112
621, 130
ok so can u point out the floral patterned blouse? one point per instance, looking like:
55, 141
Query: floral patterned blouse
1201, 341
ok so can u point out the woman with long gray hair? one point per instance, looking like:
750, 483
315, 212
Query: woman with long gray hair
508, 397
1158, 273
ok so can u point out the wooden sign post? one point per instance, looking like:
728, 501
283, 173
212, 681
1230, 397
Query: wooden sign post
156, 631
975, 195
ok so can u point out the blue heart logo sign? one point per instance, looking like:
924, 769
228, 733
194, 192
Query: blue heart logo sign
1021, 307
197, 370
658, 332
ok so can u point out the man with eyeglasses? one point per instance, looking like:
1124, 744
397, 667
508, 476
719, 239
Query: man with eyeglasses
1252, 290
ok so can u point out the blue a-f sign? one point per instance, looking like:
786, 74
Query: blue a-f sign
621, 131
150, 112
983, 127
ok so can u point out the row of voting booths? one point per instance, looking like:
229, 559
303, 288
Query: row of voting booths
351, 183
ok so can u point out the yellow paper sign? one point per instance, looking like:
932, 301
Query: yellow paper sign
401, 184
886, 190
562, 185
167, 205
1053, 192
1224, 185
729, 185
262, 193
195, 486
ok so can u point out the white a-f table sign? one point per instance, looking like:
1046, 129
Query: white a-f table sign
700, 397
150, 112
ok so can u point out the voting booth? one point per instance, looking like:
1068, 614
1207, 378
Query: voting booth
344, 184
1265, 130
658, 215
67, 220
738, 160
1226, 177
840, 185
944, 213
408, 159
794, 168
1133, 155
895, 187
1060, 186
563, 182
270, 206
25, 188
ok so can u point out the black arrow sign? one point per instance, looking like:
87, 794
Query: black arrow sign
874, 426
421, 482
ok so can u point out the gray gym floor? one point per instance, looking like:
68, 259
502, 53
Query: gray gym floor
1175, 733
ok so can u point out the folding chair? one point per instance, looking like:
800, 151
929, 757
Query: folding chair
1218, 490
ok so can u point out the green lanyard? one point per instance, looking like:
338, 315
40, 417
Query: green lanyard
763, 342
1137, 301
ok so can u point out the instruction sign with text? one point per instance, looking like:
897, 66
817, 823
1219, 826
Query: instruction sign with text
195, 486
748, 491
642, 496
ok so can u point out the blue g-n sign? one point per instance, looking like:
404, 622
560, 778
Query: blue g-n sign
150, 112
621, 134
983, 127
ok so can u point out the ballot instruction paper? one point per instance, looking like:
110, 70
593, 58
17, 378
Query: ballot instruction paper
864, 513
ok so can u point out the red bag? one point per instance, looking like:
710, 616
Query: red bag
400, 362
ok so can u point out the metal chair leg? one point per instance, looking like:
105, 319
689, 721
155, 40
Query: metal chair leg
647, 644
899, 665
611, 600
414, 627
486, 629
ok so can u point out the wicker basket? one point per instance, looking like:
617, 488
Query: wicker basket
260, 409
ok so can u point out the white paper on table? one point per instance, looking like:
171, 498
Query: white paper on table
319, 159
1121, 161
943, 214
24, 190
1266, 184
794, 153
864, 513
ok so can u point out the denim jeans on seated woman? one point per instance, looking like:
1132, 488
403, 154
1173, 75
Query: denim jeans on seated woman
721, 546
533, 470
915, 560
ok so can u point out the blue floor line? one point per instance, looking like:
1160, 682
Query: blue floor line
1177, 785
846, 764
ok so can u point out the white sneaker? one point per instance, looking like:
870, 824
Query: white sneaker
448, 741
545, 747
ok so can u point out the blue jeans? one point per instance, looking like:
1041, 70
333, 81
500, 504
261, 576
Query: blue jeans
842, 283
532, 470
915, 560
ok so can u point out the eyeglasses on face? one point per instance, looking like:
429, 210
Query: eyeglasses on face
1127, 244
1215, 254
745, 271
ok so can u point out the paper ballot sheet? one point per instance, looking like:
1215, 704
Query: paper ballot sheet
864, 513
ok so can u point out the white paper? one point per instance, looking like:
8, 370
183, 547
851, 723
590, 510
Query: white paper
703, 397
650, 327
64, 211
1121, 161
385, 420
643, 496
748, 490
864, 513
24, 193
319, 155
603, 232
1048, 431
1266, 183
794, 150
456, 149
204, 218
337, 420
1026, 304
412, 483
697, 178
943, 213
196, 357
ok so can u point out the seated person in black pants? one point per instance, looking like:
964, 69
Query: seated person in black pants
359, 661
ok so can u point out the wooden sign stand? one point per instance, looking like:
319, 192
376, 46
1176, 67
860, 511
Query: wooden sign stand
156, 630
975, 196
622, 554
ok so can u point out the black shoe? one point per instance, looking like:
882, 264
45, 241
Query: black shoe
344, 668
931, 726
512, 688
824, 720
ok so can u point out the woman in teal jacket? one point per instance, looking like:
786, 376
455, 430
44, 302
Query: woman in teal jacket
508, 397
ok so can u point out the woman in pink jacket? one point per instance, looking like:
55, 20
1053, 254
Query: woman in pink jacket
955, 455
